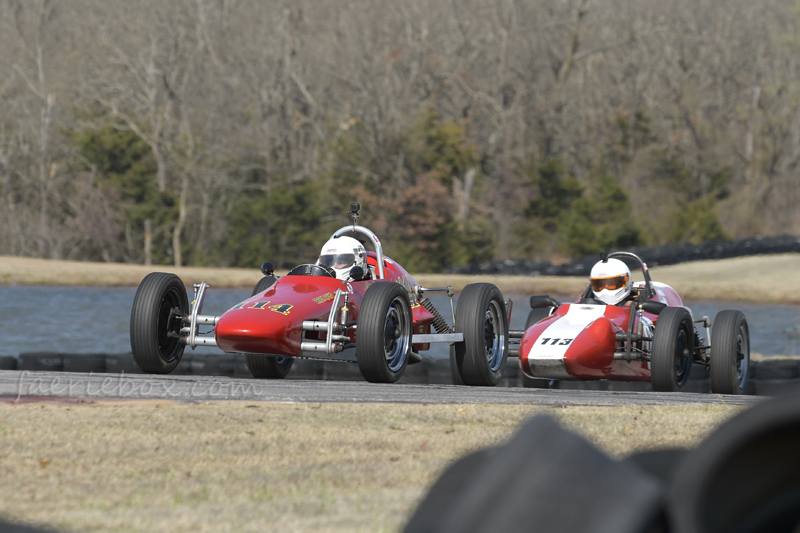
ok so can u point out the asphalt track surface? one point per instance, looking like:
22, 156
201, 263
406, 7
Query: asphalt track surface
27, 385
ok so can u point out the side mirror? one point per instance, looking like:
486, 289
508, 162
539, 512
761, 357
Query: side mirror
356, 273
543, 301
653, 307
267, 268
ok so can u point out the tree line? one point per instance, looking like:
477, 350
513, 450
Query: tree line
229, 132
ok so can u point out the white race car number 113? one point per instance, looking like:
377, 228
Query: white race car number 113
563, 342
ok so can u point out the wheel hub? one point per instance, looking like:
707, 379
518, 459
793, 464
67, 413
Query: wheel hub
494, 336
395, 340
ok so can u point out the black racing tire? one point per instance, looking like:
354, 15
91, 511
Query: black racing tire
263, 284
154, 351
383, 336
536, 315
729, 363
480, 358
455, 375
268, 366
673, 350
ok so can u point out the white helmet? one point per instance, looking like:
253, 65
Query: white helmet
611, 281
341, 254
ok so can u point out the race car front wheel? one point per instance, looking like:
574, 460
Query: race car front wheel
157, 316
536, 315
730, 353
383, 337
267, 366
673, 350
481, 316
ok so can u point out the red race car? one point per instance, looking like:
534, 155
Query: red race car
350, 306
625, 331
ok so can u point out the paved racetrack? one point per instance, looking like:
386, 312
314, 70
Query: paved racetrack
19, 384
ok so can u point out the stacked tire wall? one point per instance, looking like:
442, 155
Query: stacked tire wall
666, 254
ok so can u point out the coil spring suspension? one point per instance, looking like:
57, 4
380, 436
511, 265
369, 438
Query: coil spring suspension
439, 323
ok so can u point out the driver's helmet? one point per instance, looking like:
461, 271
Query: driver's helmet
341, 254
611, 281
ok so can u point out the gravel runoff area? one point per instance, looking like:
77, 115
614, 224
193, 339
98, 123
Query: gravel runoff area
764, 278
156, 465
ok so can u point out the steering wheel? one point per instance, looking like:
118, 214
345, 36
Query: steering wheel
311, 269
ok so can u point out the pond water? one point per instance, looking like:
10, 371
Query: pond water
96, 319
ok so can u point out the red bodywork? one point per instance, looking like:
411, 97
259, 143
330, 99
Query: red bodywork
271, 322
578, 341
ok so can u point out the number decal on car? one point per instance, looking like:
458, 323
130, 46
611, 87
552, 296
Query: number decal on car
327, 297
283, 309
564, 342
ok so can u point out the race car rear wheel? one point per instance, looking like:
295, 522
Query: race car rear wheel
263, 284
729, 364
481, 316
673, 350
383, 337
156, 320
267, 366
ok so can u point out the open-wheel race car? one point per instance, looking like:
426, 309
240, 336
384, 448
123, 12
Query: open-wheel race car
625, 331
350, 306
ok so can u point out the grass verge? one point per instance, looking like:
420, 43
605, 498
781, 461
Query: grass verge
160, 466
776, 277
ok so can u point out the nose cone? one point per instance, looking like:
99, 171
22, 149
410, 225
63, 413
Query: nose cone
592, 352
271, 322
258, 330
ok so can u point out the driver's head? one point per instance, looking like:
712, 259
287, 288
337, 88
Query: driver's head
611, 281
341, 254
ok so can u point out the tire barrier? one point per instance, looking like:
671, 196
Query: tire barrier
767, 378
185, 366
90, 362
51, 362
10, 527
214, 365
781, 369
743, 477
118, 363
666, 254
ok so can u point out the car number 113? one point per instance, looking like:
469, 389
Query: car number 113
552, 342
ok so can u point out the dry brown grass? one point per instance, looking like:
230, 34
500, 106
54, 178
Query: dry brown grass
29, 271
770, 279
159, 466
764, 278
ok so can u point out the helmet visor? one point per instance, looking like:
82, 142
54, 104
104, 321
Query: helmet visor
337, 260
611, 283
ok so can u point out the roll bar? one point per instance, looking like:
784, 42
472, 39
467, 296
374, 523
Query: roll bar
371, 236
